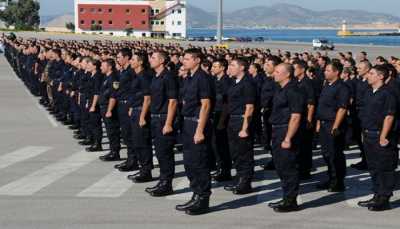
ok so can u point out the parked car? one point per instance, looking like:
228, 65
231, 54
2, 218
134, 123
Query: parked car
322, 44
259, 39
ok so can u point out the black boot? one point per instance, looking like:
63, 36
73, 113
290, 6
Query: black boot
143, 177
111, 156
362, 166
269, 166
79, 137
130, 166
243, 187
187, 205
117, 166
230, 187
151, 189
96, 147
337, 187
287, 205
381, 204
368, 203
200, 206
275, 204
164, 188
73, 127
86, 142
222, 175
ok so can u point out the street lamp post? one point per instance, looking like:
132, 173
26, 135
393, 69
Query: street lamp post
220, 22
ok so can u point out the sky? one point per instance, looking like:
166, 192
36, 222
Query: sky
56, 7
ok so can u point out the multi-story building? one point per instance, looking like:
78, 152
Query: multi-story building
151, 18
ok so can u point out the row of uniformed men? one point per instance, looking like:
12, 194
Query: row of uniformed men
142, 104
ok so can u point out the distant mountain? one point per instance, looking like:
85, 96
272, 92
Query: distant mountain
287, 15
278, 15
198, 18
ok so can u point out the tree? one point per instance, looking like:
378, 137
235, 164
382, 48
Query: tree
23, 15
70, 26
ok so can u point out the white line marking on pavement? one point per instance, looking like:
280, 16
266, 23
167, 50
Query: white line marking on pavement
111, 186
21, 155
38, 180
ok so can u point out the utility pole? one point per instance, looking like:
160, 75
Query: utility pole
220, 22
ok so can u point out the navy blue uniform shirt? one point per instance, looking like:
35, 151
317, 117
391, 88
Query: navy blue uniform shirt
122, 89
287, 101
378, 105
106, 88
242, 93
140, 87
197, 87
222, 87
163, 88
333, 97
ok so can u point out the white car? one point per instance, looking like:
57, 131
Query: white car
322, 44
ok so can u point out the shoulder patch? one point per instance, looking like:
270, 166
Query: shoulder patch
116, 85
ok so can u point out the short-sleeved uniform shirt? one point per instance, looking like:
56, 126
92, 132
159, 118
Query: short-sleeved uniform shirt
378, 105
95, 82
106, 88
287, 100
222, 87
163, 88
140, 87
267, 93
122, 89
334, 96
361, 87
198, 86
242, 93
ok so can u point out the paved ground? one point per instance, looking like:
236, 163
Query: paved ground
373, 51
47, 181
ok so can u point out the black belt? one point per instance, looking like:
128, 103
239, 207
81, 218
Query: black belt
376, 132
193, 119
123, 101
326, 121
236, 116
280, 126
137, 108
158, 115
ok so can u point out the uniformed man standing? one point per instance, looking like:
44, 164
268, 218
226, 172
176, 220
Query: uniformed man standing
361, 86
331, 113
139, 112
107, 105
307, 121
242, 101
95, 125
220, 120
84, 77
266, 98
196, 110
380, 139
122, 95
164, 102
288, 107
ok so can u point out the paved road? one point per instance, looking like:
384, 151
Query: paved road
47, 181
